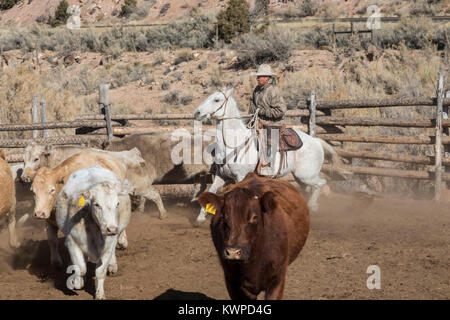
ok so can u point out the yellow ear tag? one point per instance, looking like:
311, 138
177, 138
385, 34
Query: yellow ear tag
210, 208
81, 202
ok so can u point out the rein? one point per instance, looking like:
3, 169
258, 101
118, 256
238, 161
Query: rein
235, 149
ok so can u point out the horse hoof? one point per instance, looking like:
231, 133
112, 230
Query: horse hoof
198, 223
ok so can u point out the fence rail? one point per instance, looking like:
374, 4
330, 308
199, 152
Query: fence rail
315, 118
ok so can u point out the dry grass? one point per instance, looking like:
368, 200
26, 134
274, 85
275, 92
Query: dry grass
18, 87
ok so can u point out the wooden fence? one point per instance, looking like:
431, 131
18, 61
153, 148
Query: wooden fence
99, 128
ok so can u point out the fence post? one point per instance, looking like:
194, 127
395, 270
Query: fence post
334, 38
312, 114
105, 108
439, 132
44, 119
35, 115
446, 133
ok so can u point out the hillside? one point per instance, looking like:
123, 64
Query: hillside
162, 11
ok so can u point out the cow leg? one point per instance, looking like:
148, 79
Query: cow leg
275, 292
12, 228
52, 236
102, 266
77, 258
141, 206
122, 243
113, 266
217, 183
235, 289
154, 196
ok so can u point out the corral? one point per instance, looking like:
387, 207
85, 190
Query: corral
406, 238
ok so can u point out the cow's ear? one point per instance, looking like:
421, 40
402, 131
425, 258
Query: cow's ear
47, 149
211, 198
84, 198
268, 202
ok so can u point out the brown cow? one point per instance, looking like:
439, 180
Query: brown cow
259, 227
8, 199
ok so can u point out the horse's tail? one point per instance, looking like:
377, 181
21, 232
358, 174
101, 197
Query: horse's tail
336, 160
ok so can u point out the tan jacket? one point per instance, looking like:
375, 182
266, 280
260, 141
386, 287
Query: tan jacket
271, 102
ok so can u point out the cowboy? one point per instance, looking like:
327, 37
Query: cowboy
267, 98
268, 105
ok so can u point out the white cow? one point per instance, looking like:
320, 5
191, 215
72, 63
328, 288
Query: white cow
92, 210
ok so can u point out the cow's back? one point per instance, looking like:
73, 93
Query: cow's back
88, 158
60, 153
156, 149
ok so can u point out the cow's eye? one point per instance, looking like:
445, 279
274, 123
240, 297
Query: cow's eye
117, 204
216, 100
52, 191
97, 205
36, 160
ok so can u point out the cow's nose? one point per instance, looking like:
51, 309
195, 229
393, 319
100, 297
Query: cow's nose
39, 215
112, 230
233, 253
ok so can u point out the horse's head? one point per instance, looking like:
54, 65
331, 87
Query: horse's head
214, 105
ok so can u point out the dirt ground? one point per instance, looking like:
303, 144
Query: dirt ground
170, 259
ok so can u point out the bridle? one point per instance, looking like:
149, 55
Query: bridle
224, 106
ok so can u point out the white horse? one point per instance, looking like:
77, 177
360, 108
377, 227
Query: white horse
236, 151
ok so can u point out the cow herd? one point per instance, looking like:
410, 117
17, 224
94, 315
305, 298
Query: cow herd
259, 225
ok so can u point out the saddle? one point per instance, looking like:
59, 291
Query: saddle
288, 141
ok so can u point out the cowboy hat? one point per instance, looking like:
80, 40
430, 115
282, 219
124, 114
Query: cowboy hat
264, 70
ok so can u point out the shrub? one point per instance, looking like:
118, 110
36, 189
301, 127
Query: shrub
159, 58
172, 97
203, 64
234, 20
273, 45
7, 4
164, 8
309, 8
165, 85
183, 56
185, 99
61, 14
128, 8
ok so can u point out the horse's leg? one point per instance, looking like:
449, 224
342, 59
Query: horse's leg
217, 183
316, 183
